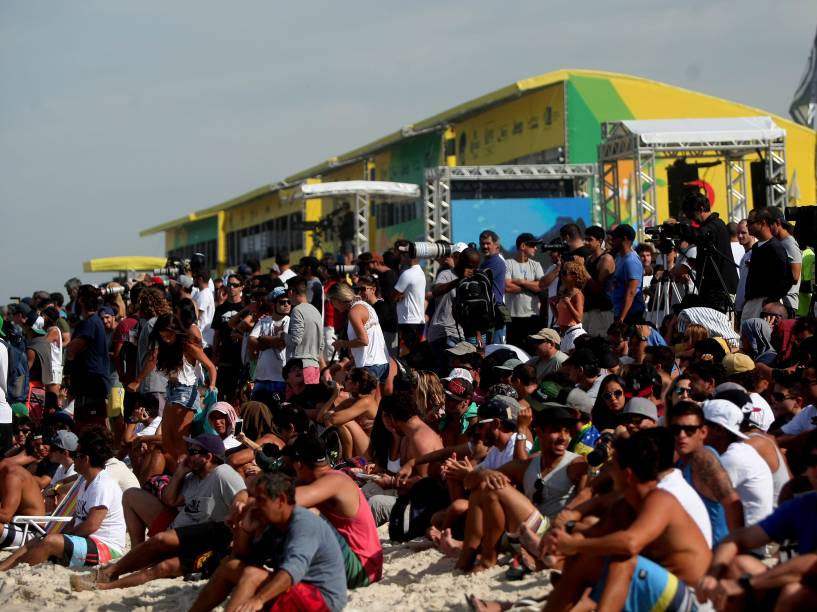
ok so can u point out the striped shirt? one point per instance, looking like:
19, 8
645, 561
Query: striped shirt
717, 323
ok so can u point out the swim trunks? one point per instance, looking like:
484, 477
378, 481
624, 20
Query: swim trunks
653, 589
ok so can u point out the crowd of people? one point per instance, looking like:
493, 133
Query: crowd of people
614, 418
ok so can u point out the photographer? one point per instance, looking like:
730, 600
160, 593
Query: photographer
718, 281
769, 277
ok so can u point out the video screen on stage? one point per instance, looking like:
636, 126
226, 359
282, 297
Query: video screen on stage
509, 217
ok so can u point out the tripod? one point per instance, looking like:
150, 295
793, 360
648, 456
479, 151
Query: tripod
663, 291
706, 255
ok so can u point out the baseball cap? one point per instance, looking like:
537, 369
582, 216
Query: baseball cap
107, 310
20, 308
552, 414
523, 238
579, 400
756, 415
276, 293
726, 414
509, 365
209, 442
306, 449
459, 388
547, 392
643, 407
459, 373
458, 247
462, 348
65, 440
736, 363
185, 281
548, 334
624, 231
158, 280
500, 407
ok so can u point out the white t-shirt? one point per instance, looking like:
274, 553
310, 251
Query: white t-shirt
752, 479
150, 429
5, 407
62, 473
801, 422
103, 492
737, 252
121, 474
690, 501
553, 289
794, 256
525, 304
270, 361
496, 458
286, 275
412, 284
207, 308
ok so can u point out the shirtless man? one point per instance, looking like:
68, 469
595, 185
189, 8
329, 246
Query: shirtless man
417, 439
702, 469
633, 555
19, 494
549, 480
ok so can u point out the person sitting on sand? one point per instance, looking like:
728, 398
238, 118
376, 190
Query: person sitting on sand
273, 532
645, 542
19, 494
97, 534
353, 416
206, 487
341, 502
549, 480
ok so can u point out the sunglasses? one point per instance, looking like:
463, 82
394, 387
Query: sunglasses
779, 397
235, 285
283, 302
682, 390
608, 395
192, 452
24, 430
675, 430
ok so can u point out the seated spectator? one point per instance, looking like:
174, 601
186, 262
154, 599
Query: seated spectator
549, 358
205, 487
352, 416
19, 494
585, 435
756, 340
97, 534
273, 532
610, 402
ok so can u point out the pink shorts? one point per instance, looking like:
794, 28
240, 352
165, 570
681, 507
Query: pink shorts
312, 376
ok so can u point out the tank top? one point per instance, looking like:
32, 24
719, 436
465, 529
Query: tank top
42, 349
360, 533
781, 475
676, 485
717, 515
373, 353
54, 377
596, 300
186, 375
557, 488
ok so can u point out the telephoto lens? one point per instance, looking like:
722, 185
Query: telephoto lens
432, 250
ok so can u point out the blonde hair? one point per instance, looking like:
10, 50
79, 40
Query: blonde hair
696, 333
579, 272
429, 395
342, 292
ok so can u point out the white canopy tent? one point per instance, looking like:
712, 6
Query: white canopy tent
362, 192
732, 139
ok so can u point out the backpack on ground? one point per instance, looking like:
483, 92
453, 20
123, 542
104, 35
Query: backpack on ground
412, 512
474, 307
17, 375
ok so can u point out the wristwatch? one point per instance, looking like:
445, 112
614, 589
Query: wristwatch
520, 437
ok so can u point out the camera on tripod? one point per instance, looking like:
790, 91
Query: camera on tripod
666, 236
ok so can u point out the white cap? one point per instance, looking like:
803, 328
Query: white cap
460, 373
726, 414
458, 247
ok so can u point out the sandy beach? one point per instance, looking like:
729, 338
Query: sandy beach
416, 577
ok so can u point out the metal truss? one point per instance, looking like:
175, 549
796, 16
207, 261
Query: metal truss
361, 241
619, 144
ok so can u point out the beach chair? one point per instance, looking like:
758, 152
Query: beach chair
41, 526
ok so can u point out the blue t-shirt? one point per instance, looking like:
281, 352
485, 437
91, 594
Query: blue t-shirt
90, 368
795, 520
496, 264
628, 267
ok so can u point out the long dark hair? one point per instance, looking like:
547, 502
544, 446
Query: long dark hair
187, 312
171, 356
602, 416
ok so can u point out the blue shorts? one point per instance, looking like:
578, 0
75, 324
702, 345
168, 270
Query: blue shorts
380, 371
183, 395
79, 551
652, 588
269, 386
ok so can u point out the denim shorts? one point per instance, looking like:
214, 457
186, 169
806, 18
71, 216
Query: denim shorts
269, 386
380, 371
183, 395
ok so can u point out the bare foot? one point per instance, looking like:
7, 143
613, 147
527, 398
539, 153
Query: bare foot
465, 561
448, 545
478, 605
434, 534
483, 564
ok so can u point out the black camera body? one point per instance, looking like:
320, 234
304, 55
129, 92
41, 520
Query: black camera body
555, 246
601, 452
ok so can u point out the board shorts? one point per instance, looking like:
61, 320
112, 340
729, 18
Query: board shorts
116, 402
12, 535
186, 396
80, 551
652, 588
197, 543
302, 597
355, 573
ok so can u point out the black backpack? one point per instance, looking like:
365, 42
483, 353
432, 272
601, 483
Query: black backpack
17, 375
474, 307
411, 514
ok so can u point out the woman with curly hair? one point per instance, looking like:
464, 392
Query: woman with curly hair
569, 304
430, 397
176, 355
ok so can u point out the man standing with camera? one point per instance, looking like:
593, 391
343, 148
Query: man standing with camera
492, 251
522, 288
715, 269
409, 293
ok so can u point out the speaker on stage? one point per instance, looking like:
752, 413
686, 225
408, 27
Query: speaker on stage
678, 174
757, 170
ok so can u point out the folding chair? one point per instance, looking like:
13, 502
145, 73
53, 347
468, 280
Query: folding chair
41, 526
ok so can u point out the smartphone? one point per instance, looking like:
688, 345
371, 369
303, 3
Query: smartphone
239, 427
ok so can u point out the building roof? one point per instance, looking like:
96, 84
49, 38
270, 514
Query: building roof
438, 122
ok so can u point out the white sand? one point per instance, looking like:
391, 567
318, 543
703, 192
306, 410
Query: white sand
415, 578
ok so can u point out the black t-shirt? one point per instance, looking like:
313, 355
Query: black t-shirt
312, 396
722, 257
387, 280
229, 350
90, 368
769, 271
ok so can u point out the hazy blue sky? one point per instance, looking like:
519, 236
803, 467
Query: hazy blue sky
116, 116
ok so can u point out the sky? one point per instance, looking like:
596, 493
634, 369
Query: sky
117, 116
